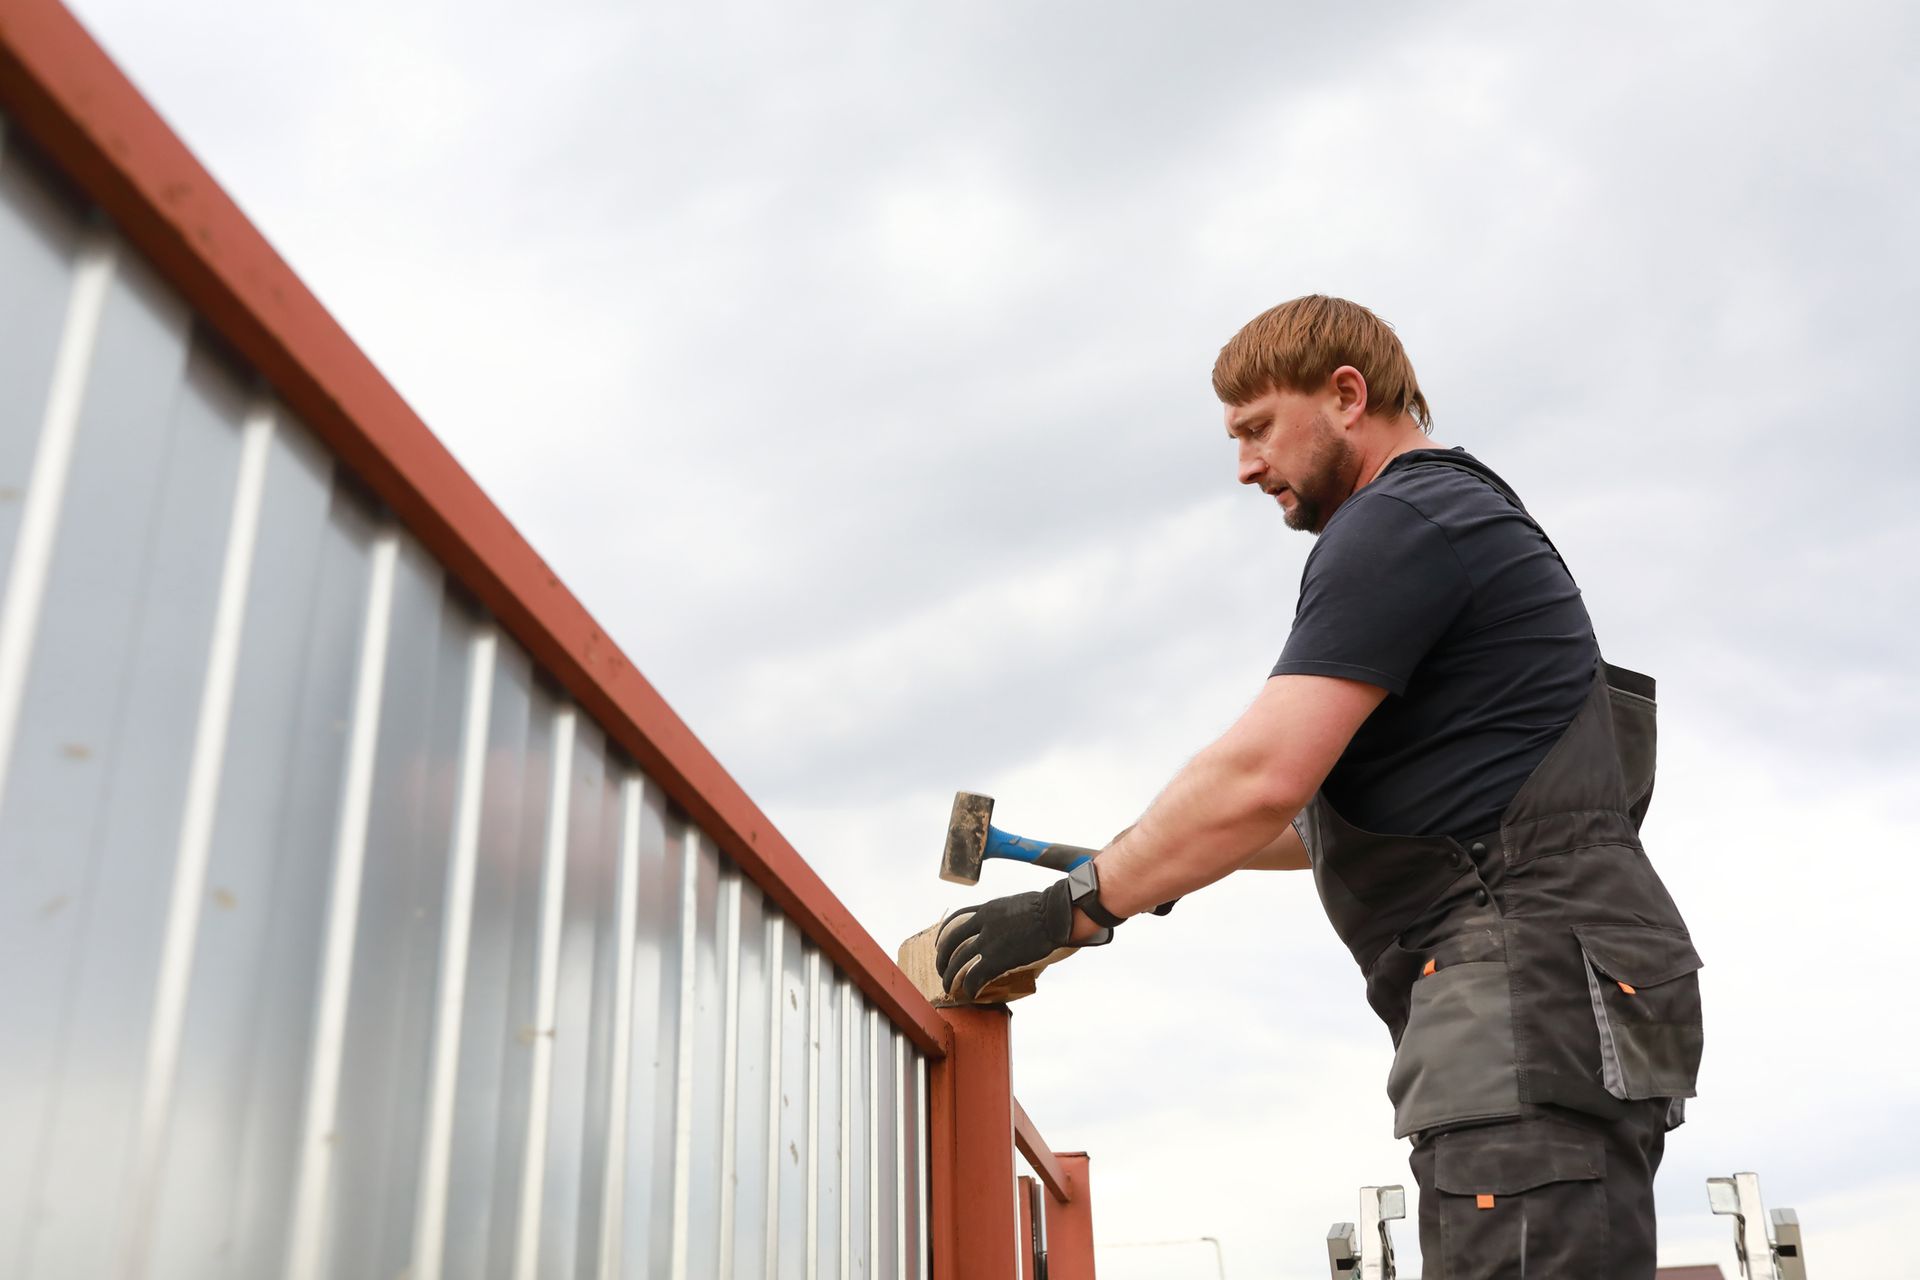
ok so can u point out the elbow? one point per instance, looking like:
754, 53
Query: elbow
1271, 788
1284, 798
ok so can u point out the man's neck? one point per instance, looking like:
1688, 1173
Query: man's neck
1403, 435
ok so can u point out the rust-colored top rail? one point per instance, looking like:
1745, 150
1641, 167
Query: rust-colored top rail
1040, 1156
58, 84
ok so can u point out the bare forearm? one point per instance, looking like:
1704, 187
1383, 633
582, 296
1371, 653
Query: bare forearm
1285, 852
1235, 801
1220, 812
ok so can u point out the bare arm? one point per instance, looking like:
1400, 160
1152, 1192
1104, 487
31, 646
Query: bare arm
1236, 800
1285, 854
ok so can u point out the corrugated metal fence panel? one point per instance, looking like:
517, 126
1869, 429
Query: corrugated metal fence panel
335, 941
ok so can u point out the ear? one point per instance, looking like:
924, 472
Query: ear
1349, 388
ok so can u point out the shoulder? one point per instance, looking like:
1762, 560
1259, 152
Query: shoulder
1444, 485
1446, 495
1429, 511
1380, 536
1387, 513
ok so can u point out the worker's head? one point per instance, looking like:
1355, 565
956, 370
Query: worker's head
1312, 389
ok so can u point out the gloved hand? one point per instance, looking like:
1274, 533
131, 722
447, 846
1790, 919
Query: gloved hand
980, 943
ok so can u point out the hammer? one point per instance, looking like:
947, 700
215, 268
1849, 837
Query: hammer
972, 839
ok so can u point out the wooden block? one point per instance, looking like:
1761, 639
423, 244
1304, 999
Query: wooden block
916, 960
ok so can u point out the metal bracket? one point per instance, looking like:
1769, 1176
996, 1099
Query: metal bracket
1343, 1251
1366, 1252
1765, 1248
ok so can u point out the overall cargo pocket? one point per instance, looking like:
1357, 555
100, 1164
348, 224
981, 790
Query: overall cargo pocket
1508, 1192
1455, 1061
1646, 1004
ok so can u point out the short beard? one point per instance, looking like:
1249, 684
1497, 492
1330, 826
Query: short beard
1324, 487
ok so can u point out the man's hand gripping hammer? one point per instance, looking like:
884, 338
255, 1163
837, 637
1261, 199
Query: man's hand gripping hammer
971, 840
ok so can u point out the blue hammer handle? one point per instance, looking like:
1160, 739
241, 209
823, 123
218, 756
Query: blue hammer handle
1060, 857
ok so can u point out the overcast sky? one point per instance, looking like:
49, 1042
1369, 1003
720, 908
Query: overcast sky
850, 364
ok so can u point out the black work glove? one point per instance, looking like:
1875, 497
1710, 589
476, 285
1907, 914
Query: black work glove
980, 943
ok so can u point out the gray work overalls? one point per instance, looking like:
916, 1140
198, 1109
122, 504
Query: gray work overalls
1540, 963
1544, 962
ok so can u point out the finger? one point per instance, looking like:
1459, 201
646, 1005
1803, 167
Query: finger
962, 955
977, 975
953, 931
960, 988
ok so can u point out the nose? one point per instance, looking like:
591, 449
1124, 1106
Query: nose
1252, 466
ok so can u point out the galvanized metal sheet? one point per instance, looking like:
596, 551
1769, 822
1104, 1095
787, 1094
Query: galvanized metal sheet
574, 1166
98, 745
789, 1216
40, 237
226, 1181
703, 1023
855, 1097
497, 1020
920, 1258
829, 1141
745, 1218
654, 1056
888, 1062
334, 939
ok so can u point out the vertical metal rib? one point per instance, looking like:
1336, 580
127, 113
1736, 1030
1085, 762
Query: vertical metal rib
813, 1114
196, 832
683, 1075
847, 1157
871, 1034
902, 1176
922, 1161
47, 484
776, 982
553, 890
729, 1060
336, 966
429, 1223
613, 1197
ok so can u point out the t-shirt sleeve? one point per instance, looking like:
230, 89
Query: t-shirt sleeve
1381, 586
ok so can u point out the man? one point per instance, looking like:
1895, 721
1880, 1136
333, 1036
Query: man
1441, 683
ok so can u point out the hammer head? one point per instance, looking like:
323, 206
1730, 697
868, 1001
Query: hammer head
966, 838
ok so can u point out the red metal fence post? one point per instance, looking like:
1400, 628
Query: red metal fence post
1027, 1227
976, 1218
1070, 1225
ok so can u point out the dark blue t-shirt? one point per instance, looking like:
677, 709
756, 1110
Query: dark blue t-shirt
1429, 583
